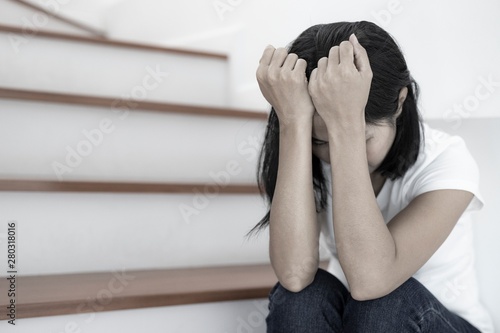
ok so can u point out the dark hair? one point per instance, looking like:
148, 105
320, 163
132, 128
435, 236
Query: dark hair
390, 74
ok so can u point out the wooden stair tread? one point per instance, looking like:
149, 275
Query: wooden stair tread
118, 187
113, 43
76, 293
97, 101
66, 20
49, 295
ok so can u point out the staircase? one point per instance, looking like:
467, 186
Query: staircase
123, 160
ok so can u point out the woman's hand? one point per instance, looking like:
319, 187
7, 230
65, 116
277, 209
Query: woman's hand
339, 87
283, 82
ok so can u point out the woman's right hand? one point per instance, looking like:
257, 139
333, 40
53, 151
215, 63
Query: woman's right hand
283, 82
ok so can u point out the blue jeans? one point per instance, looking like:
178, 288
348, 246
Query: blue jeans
327, 306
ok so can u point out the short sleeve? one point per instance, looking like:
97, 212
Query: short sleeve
452, 167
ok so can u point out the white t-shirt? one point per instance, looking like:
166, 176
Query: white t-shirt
443, 163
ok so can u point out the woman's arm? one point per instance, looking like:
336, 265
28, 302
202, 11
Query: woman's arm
376, 258
294, 231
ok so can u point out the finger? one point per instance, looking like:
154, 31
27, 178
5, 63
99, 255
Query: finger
346, 53
279, 57
300, 65
313, 77
322, 64
267, 55
333, 57
360, 56
290, 61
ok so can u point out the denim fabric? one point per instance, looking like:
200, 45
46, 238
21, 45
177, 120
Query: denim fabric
327, 306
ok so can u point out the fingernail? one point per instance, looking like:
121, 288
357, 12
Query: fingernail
355, 38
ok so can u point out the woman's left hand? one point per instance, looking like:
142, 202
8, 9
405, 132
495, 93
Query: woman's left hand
340, 85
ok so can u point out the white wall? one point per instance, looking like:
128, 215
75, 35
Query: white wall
449, 44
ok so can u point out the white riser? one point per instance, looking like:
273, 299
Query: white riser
222, 317
75, 232
26, 18
91, 69
144, 146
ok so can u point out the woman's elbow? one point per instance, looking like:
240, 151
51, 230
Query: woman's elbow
370, 290
296, 284
360, 294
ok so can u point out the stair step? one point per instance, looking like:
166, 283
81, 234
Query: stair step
103, 231
65, 63
25, 185
115, 43
94, 292
16, 14
79, 293
55, 16
75, 142
110, 102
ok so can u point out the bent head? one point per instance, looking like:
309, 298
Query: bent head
391, 111
391, 114
379, 137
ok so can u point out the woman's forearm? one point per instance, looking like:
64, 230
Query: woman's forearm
294, 231
364, 243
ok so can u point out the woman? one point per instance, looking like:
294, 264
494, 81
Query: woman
344, 129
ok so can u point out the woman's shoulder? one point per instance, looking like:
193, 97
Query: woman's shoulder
436, 141
437, 145
444, 162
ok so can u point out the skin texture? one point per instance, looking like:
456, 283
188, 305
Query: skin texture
376, 257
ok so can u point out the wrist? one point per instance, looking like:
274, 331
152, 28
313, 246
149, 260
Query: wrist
301, 125
347, 134
346, 127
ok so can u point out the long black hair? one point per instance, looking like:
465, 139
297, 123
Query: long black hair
390, 75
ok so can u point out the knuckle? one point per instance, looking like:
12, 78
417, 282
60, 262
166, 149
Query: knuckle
273, 77
298, 78
345, 76
345, 69
285, 76
321, 84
